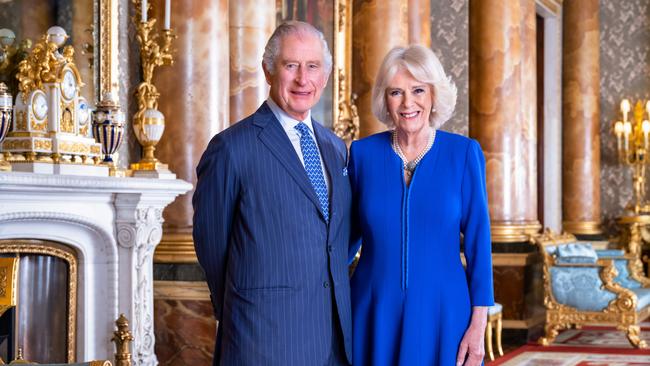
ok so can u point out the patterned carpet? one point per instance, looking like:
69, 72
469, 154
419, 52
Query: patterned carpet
589, 346
594, 336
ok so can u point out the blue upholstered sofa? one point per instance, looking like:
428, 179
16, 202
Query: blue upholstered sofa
586, 286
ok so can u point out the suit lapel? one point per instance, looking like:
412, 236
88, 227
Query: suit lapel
276, 140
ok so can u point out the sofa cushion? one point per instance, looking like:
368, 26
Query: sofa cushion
576, 253
643, 297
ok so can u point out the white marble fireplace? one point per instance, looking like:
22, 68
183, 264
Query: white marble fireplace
113, 225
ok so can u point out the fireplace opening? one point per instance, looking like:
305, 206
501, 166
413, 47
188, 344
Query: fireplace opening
43, 322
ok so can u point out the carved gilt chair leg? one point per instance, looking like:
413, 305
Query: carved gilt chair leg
488, 340
633, 333
551, 331
499, 327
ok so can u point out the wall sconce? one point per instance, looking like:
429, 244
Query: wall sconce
632, 142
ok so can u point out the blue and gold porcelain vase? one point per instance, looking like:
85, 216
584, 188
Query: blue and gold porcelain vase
108, 129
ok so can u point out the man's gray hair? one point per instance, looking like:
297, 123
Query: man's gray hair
292, 27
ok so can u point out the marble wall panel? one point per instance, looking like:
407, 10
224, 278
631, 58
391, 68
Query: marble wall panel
509, 289
185, 332
624, 73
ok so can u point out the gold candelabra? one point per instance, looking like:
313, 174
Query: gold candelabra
632, 137
148, 121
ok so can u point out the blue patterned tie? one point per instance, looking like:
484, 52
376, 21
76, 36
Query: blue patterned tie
313, 167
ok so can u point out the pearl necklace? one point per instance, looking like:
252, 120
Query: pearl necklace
409, 166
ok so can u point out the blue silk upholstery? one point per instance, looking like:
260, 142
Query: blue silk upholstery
605, 253
643, 297
623, 277
580, 287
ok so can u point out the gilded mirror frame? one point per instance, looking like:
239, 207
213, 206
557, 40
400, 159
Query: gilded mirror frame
106, 39
345, 119
54, 249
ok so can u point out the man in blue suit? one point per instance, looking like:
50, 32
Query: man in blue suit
271, 219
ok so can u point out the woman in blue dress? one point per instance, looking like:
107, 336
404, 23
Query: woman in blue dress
416, 190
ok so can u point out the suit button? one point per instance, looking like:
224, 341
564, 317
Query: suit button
326, 284
329, 248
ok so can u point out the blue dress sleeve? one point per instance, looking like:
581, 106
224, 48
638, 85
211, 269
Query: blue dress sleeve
214, 202
475, 226
355, 232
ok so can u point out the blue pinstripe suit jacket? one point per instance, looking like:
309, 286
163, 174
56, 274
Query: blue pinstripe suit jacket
275, 268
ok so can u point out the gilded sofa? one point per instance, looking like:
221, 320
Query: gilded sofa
585, 286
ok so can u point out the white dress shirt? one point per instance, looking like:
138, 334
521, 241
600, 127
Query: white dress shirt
289, 125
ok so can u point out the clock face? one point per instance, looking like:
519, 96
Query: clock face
69, 85
39, 106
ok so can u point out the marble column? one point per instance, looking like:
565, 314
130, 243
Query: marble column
502, 99
194, 99
419, 18
377, 26
580, 117
251, 24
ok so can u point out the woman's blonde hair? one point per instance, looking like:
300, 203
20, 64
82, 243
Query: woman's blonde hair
425, 67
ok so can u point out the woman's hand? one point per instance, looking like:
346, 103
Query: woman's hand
472, 347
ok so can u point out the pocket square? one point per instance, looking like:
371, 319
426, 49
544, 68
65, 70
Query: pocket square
345, 171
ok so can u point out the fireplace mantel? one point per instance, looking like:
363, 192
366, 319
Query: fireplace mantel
114, 225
